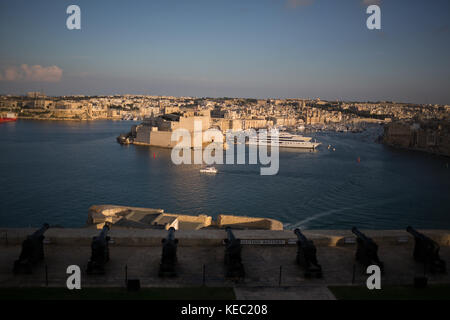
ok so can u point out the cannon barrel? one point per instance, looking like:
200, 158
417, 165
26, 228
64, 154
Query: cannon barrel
230, 234
300, 235
171, 234
359, 234
104, 232
41, 231
170, 239
414, 232
417, 235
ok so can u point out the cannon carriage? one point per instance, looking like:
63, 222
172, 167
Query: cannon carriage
234, 269
426, 251
168, 263
367, 250
99, 252
32, 251
306, 256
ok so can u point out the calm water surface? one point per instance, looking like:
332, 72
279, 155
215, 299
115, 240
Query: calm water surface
52, 171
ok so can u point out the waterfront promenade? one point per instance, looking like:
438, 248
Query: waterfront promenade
140, 251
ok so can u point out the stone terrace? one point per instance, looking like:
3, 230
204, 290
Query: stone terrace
140, 251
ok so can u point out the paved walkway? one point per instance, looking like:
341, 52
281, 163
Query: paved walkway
262, 266
284, 293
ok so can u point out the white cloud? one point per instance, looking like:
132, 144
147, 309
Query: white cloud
34, 73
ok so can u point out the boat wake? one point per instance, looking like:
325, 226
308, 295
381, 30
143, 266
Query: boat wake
303, 223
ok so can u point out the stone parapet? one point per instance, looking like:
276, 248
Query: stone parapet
211, 237
248, 222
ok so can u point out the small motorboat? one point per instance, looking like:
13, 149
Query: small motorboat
208, 170
125, 139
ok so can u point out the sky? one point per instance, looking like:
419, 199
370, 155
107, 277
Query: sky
246, 48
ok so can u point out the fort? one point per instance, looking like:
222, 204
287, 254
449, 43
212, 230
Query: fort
157, 131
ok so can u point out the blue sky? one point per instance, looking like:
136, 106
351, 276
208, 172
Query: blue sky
264, 48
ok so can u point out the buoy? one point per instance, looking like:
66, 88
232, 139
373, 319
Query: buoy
154, 155
359, 159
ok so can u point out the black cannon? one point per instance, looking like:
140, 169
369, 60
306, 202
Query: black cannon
32, 251
99, 252
169, 255
426, 251
367, 250
234, 269
306, 256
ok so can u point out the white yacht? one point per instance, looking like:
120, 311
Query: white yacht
287, 140
208, 170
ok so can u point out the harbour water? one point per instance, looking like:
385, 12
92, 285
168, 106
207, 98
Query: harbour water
53, 171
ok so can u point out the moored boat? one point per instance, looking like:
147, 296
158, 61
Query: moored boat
8, 117
285, 140
125, 138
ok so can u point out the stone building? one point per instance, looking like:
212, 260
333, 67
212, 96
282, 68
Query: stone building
157, 131
428, 136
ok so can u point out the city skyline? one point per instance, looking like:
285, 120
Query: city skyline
270, 49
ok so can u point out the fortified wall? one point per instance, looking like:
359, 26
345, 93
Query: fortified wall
148, 218
428, 136
214, 238
158, 131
